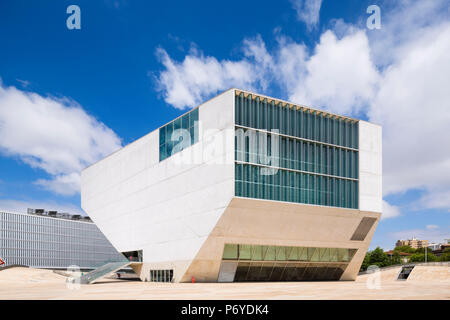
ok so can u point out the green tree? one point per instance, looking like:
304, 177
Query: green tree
405, 249
420, 257
379, 258
422, 250
445, 256
395, 258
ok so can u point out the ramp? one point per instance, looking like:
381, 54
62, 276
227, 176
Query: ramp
103, 271
434, 272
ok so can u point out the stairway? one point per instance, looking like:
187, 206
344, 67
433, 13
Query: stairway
103, 271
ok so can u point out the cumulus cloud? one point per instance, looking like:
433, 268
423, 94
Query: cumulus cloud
188, 83
307, 11
55, 135
396, 76
340, 75
389, 211
413, 105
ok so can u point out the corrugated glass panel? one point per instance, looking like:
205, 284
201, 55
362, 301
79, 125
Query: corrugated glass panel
299, 155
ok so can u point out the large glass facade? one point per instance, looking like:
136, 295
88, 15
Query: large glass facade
315, 160
173, 140
47, 242
283, 263
253, 112
282, 253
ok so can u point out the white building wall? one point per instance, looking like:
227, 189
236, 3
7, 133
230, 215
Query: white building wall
168, 208
370, 167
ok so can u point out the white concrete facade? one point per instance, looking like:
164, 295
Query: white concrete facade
168, 209
370, 167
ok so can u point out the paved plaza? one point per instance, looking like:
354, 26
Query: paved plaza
28, 283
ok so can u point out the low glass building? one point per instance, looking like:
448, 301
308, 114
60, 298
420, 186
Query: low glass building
48, 241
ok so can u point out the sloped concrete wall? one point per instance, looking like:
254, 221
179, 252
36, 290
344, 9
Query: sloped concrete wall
386, 274
264, 222
430, 273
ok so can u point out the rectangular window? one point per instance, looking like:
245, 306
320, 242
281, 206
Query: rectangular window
230, 251
173, 140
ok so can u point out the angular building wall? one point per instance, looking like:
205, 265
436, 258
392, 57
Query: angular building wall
312, 206
165, 208
283, 224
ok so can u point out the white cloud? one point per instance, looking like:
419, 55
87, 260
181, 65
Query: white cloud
402, 23
66, 184
413, 105
197, 77
55, 135
432, 227
340, 74
307, 11
389, 211
436, 199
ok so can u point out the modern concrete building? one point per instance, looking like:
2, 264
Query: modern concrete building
53, 240
413, 243
244, 187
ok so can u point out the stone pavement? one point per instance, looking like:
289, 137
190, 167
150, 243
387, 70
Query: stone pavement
27, 283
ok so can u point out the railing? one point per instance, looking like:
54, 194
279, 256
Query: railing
102, 271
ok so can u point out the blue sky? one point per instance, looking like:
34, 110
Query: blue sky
70, 97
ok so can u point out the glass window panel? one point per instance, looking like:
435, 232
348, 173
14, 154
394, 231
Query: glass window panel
324, 254
343, 255
281, 253
162, 152
245, 252
177, 124
269, 253
313, 254
230, 251
193, 117
292, 253
256, 252
185, 121
310, 252
333, 256
237, 113
169, 130
162, 136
